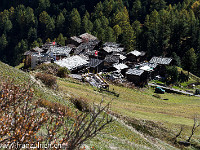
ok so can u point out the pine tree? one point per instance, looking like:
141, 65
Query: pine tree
137, 29
7, 26
177, 59
87, 25
108, 7
110, 35
43, 5
20, 48
32, 34
61, 39
3, 42
157, 5
104, 22
98, 10
60, 22
128, 36
136, 9
101, 34
117, 31
97, 25
189, 60
34, 44
75, 22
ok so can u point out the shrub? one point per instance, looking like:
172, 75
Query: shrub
47, 79
48, 68
81, 104
55, 107
21, 120
157, 96
62, 72
172, 74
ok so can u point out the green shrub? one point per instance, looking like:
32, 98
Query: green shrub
47, 79
62, 72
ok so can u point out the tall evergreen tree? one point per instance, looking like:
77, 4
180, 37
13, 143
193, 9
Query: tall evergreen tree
75, 22
61, 39
20, 48
3, 42
60, 22
189, 60
117, 31
136, 10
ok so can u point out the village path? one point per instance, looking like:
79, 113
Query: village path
172, 89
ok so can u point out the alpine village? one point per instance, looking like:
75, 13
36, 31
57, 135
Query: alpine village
100, 74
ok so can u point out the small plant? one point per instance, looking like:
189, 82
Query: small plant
62, 72
157, 96
81, 104
47, 79
55, 107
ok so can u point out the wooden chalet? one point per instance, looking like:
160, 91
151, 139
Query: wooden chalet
59, 52
122, 68
87, 37
96, 65
161, 62
74, 40
87, 48
138, 76
110, 60
135, 56
75, 64
28, 55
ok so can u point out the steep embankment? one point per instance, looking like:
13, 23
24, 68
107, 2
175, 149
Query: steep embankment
117, 135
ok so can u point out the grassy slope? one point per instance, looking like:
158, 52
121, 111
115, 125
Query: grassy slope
141, 104
131, 103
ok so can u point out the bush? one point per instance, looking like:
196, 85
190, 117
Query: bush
53, 69
47, 79
21, 120
62, 72
48, 68
81, 104
55, 107
157, 96
172, 74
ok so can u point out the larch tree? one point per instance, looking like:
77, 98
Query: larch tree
60, 22
3, 42
61, 39
117, 31
189, 60
75, 22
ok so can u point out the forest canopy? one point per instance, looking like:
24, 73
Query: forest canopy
159, 27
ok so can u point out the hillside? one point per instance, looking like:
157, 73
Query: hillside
143, 121
159, 117
117, 135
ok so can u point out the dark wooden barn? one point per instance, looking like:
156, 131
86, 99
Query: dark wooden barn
137, 76
96, 65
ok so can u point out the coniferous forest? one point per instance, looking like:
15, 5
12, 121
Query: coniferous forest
160, 27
